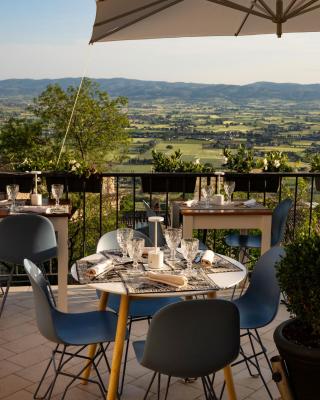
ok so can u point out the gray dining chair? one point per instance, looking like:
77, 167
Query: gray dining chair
190, 339
67, 330
25, 236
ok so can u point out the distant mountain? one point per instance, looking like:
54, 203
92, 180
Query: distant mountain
146, 90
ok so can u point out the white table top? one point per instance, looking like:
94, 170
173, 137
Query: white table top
224, 280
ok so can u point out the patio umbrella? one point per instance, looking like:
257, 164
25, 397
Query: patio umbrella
152, 19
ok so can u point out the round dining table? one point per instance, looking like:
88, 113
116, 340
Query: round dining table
223, 280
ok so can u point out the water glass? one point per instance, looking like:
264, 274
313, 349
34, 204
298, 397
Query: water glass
12, 193
190, 248
173, 238
135, 250
229, 188
124, 235
57, 192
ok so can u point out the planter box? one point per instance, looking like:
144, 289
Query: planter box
317, 183
256, 183
25, 182
75, 184
154, 183
302, 363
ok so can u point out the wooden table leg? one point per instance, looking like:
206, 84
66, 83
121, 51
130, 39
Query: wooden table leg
118, 348
229, 383
93, 347
212, 295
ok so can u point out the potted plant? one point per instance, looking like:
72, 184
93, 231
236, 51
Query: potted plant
315, 167
172, 163
76, 176
243, 161
298, 339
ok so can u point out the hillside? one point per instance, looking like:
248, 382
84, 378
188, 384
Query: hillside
143, 90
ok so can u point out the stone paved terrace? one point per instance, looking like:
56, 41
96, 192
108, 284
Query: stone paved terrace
24, 354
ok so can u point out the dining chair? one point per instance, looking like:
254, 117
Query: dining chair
66, 330
246, 242
25, 236
258, 308
139, 309
278, 227
193, 338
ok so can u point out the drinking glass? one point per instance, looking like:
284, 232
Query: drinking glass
135, 250
57, 192
207, 193
124, 235
173, 238
229, 188
12, 192
190, 248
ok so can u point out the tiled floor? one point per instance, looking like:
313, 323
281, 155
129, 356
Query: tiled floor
24, 354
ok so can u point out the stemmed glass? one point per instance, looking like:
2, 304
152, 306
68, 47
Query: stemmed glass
229, 188
190, 248
12, 192
207, 193
57, 192
173, 238
135, 250
124, 235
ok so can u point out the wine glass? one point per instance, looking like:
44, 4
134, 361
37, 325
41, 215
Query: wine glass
12, 192
135, 250
57, 192
190, 248
124, 235
173, 238
229, 188
207, 193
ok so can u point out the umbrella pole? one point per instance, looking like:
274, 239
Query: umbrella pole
281, 379
279, 14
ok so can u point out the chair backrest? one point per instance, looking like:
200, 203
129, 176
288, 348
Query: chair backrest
45, 310
264, 290
160, 236
27, 236
193, 338
279, 219
109, 241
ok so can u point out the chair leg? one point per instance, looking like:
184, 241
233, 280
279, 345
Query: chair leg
159, 386
125, 357
5, 293
208, 388
149, 387
167, 388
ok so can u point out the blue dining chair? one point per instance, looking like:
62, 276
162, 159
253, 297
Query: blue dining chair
66, 330
193, 338
278, 227
139, 309
25, 236
259, 306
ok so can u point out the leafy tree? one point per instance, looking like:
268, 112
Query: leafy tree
97, 131
20, 139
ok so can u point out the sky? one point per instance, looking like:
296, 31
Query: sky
49, 39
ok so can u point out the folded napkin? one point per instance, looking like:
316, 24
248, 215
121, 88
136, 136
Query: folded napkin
250, 203
207, 258
177, 281
102, 267
190, 203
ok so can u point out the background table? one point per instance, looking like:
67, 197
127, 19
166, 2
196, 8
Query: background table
223, 280
60, 224
224, 217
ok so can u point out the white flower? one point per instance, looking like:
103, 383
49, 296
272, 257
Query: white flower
197, 161
265, 162
276, 163
225, 159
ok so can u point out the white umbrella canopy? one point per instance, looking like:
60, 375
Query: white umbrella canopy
153, 19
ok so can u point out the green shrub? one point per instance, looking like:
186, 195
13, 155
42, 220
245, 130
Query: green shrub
299, 278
